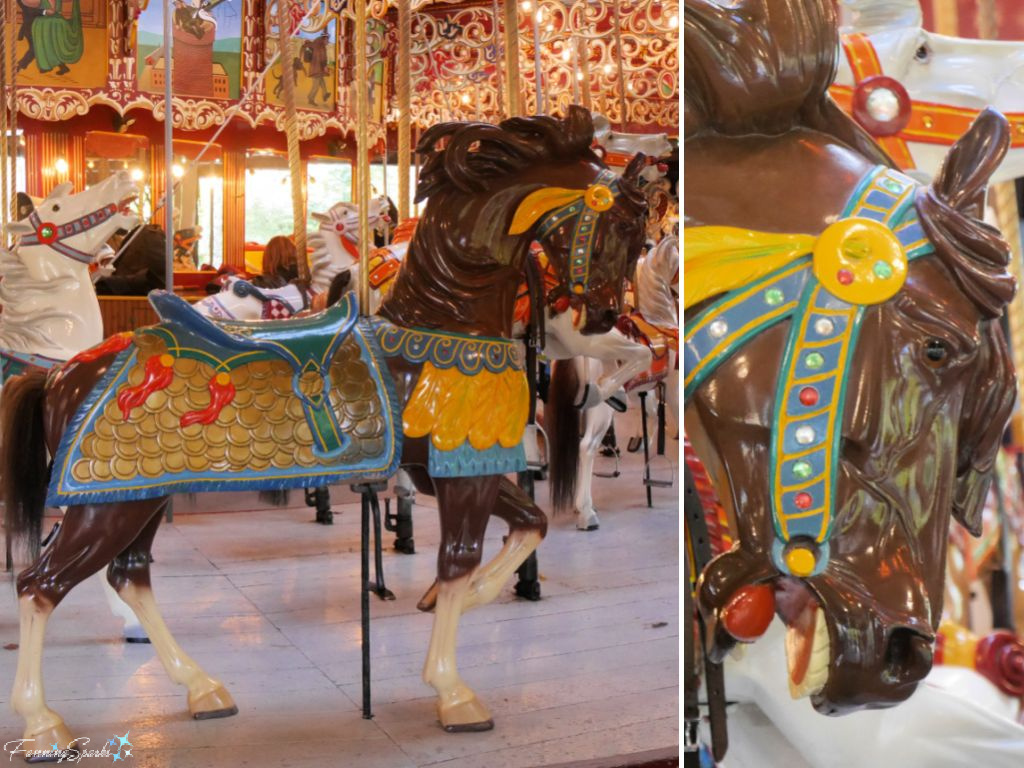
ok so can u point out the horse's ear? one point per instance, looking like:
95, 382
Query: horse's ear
61, 190
20, 228
636, 165
579, 122
963, 178
320, 217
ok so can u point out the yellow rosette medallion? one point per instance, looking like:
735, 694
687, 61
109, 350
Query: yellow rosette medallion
860, 261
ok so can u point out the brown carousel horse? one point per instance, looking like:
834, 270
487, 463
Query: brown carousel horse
847, 381
192, 404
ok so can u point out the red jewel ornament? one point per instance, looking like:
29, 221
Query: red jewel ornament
749, 612
844, 276
809, 396
46, 232
802, 500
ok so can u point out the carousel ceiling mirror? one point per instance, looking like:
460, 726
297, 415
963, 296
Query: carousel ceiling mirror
328, 182
198, 205
268, 195
107, 153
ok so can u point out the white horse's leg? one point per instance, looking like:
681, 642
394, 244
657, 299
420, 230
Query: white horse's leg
132, 631
458, 708
42, 725
207, 696
598, 419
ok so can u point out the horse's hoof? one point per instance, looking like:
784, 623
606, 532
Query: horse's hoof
465, 717
429, 599
213, 704
588, 522
44, 740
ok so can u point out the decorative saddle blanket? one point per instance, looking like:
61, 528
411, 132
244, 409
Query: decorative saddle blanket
198, 405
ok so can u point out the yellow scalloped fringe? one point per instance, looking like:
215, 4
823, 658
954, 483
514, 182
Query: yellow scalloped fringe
452, 407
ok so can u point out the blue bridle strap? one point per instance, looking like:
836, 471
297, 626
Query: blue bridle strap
810, 392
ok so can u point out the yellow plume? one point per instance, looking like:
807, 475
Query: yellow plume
540, 202
718, 259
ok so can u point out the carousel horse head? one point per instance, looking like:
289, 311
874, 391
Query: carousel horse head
923, 86
613, 145
847, 378
335, 240
493, 189
66, 229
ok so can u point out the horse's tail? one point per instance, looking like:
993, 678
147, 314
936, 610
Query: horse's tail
23, 465
562, 423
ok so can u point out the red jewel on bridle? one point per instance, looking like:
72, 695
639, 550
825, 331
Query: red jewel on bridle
46, 232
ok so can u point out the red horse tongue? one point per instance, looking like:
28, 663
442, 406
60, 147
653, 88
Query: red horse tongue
796, 606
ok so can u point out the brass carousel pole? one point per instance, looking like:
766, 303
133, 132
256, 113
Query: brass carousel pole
512, 57
617, 19
362, 156
168, 156
496, 42
291, 126
404, 88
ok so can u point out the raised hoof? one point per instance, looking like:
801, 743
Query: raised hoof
465, 717
58, 734
213, 704
429, 599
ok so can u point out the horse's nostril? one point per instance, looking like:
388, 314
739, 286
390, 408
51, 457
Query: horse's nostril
908, 656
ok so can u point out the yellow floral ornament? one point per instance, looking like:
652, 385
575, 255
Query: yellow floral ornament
860, 261
599, 197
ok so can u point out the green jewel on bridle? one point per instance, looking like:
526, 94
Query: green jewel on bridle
823, 286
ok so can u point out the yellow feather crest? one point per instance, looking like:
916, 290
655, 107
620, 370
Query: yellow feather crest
537, 203
718, 259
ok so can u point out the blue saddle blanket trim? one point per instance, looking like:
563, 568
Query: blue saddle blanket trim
467, 461
64, 489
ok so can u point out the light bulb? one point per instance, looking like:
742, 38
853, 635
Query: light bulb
465, 98
566, 54
60, 165
136, 174
539, 15
177, 171
607, 69
673, 22
527, 6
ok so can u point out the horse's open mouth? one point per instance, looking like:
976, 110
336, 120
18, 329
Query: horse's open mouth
125, 205
808, 651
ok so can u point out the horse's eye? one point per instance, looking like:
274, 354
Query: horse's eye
56, 207
922, 53
936, 351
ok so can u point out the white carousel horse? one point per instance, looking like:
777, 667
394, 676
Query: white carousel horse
657, 314
334, 243
935, 70
619, 147
955, 718
50, 310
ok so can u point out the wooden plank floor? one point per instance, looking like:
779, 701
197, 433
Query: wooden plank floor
268, 601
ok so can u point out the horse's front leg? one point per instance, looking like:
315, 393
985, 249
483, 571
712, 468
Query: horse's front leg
623, 358
464, 505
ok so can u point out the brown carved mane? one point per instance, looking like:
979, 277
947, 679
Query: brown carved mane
474, 175
771, 76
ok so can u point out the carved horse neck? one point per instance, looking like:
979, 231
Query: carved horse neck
55, 317
462, 270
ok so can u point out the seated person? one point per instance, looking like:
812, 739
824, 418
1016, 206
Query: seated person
280, 265
140, 269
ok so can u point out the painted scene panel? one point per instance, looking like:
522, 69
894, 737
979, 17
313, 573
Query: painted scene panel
314, 59
61, 43
206, 53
